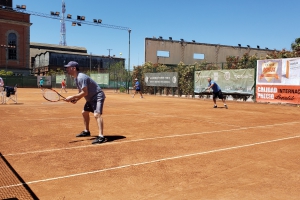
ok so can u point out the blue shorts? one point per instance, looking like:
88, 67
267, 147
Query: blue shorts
95, 105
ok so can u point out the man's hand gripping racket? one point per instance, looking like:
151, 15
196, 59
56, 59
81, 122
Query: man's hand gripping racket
207, 89
53, 96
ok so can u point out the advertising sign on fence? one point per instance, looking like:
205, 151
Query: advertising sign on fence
278, 81
101, 78
162, 79
59, 78
239, 81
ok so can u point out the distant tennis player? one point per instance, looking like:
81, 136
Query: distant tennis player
217, 92
2, 90
94, 97
137, 88
63, 86
41, 85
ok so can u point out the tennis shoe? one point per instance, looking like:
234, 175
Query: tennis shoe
84, 134
99, 140
215, 106
226, 106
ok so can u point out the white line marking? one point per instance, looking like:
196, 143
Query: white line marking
150, 162
154, 138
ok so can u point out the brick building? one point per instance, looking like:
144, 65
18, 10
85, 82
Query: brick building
14, 39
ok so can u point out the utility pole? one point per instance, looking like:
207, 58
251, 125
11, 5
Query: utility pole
109, 67
109, 52
90, 63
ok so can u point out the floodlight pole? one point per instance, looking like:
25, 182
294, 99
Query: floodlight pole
129, 31
90, 63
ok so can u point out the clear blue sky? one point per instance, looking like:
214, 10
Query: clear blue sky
267, 23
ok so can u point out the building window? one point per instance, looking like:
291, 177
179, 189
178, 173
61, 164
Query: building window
12, 41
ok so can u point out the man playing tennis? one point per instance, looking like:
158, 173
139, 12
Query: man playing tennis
94, 97
217, 92
137, 88
41, 83
63, 86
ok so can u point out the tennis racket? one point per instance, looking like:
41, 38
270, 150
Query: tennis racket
205, 90
52, 95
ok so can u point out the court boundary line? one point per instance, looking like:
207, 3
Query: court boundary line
150, 162
153, 138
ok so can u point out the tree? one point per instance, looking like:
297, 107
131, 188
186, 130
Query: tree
296, 45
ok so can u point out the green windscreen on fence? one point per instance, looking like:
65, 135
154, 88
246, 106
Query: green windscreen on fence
101, 79
240, 81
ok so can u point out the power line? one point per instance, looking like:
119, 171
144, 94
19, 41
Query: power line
65, 18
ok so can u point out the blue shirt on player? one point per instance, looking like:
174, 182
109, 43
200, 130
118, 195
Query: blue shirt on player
215, 86
137, 85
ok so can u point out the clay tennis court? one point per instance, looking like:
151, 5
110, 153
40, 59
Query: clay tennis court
158, 148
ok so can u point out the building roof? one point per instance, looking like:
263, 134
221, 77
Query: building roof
54, 46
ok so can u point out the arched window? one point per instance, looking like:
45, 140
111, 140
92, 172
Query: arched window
12, 41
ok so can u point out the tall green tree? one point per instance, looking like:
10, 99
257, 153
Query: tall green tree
296, 45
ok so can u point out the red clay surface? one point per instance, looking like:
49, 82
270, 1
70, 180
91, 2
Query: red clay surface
158, 148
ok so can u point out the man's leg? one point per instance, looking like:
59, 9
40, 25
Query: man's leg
99, 123
225, 105
134, 94
86, 120
98, 117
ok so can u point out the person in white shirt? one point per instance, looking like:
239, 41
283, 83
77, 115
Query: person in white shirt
1, 90
1, 82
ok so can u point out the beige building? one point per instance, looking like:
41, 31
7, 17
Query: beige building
172, 52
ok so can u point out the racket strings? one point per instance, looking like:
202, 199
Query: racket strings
51, 95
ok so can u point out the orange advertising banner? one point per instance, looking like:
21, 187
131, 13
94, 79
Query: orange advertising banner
278, 93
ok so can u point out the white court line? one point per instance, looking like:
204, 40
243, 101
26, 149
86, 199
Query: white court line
144, 139
149, 162
60, 118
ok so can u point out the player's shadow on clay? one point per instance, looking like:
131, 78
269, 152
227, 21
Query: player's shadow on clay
111, 138
220, 108
108, 138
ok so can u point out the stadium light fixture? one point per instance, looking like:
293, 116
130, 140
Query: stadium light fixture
80, 17
55, 13
69, 16
99, 21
